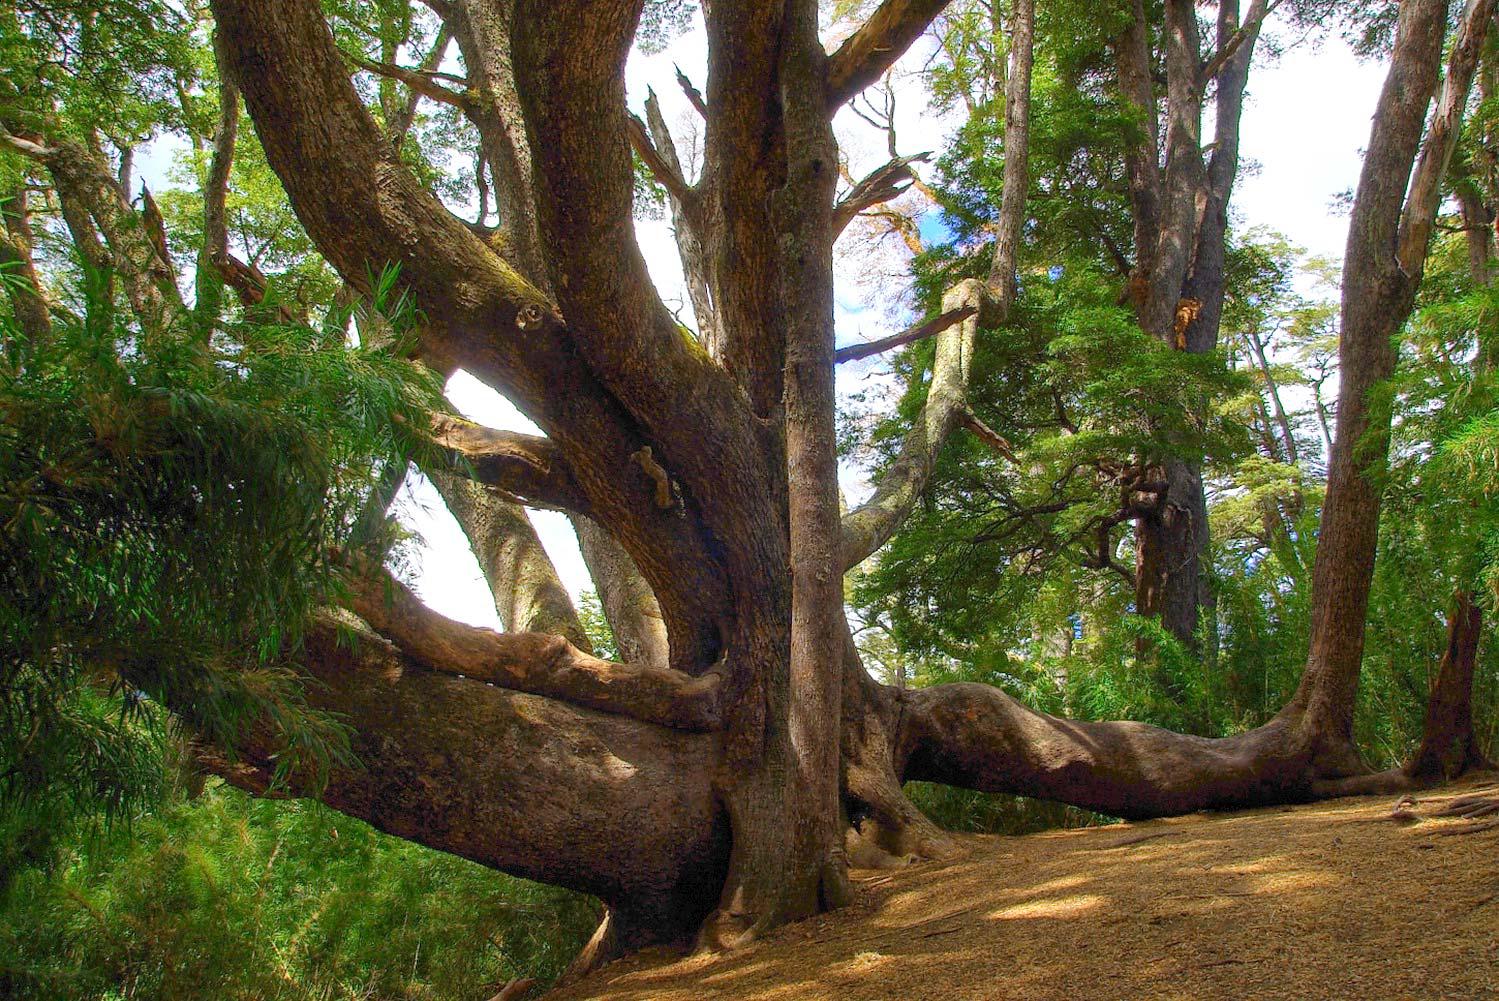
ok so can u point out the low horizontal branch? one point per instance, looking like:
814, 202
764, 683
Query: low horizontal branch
926, 328
535, 663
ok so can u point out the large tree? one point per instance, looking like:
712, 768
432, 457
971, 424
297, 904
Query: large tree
712, 788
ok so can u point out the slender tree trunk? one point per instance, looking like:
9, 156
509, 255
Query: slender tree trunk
1393, 215
1272, 390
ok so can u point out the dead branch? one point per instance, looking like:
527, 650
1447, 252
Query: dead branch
660, 167
880, 185
927, 328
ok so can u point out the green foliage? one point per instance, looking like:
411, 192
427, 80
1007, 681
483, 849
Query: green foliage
114, 65
591, 616
661, 21
1079, 391
226, 896
167, 511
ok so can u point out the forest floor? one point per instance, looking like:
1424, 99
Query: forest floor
1325, 900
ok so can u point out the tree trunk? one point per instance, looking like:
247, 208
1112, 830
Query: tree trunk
629, 606
1181, 226
1448, 744
1387, 243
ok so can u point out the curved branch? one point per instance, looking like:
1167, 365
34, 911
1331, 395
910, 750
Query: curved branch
975, 736
536, 663
867, 527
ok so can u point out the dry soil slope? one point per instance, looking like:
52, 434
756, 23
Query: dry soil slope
1330, 900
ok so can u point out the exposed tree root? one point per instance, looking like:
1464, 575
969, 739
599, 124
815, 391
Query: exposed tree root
515, 989
1472, 808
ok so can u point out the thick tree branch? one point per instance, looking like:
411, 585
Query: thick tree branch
1142, 156
531, 786
570, 66
867, 527
744, 96
365, 211
874, 48
977, 737
536, 663
136, 256
528, 468
1378, 295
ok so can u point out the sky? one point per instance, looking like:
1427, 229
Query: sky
1306, 120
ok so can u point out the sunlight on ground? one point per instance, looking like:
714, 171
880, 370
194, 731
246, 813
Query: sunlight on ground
1324, 901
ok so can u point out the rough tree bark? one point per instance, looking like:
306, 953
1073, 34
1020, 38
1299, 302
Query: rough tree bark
709, 796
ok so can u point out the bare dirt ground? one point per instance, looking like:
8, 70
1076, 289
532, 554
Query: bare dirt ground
1327, 900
